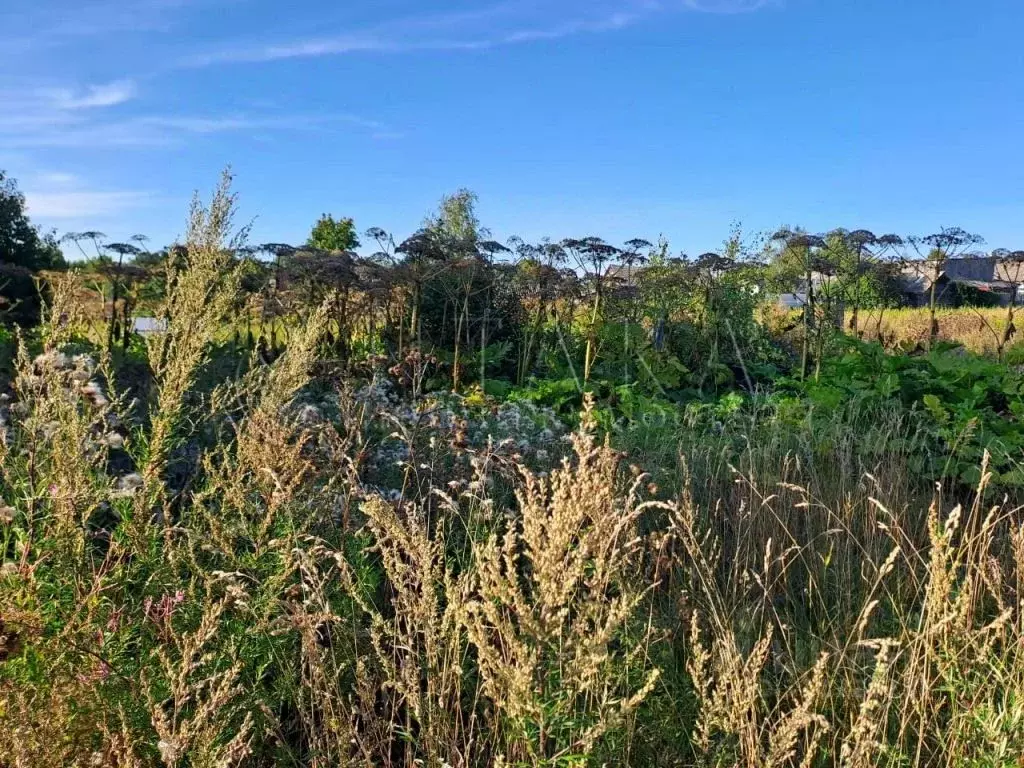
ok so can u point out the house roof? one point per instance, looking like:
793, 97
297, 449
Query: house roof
988, 286
915, 283
627, 273
984, 274
977, 268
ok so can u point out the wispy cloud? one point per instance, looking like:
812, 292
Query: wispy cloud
43, 115
613, 21
507, 24
105, 95
83, 131
310, 47
729, 6
82, 204
57, 178
87, 19
58, 195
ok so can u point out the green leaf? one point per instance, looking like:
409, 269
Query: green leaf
934, 406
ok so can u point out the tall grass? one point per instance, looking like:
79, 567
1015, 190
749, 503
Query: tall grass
979, 329
209, 577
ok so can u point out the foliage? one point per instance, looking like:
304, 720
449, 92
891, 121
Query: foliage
970, 407
21, 244
23, 251
330, 234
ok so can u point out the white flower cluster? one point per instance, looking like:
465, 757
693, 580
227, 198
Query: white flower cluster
78, 378
517, 429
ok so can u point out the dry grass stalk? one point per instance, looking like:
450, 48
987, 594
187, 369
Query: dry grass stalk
553, 603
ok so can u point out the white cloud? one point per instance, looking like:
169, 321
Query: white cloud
463, 31
85, 19
57, 195
170, 130
241, 122
609, 23
57, 178
105, 95
78, 204
41, 116
728, 6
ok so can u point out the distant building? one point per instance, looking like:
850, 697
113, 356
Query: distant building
960, 278
147, 326
623, 280
797, 302
792, 301
627, 274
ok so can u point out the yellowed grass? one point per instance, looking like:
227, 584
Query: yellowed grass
977, 329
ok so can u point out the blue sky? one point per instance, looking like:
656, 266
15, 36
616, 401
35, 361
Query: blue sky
620, 118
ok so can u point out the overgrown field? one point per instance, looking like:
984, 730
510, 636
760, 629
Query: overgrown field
309, 553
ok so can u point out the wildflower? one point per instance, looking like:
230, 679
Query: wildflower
309, 415
94, 391
169, 749
128, 485
7, 515
56, 361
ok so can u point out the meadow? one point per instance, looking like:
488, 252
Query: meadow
426, 509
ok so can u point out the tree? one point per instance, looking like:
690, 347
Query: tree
456, 218
20, 242
423, 255
330, 234
803, 258
889, 258
854, 261
23, 250
934, 252
446, 257
119, 276
591, 256
537, 279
